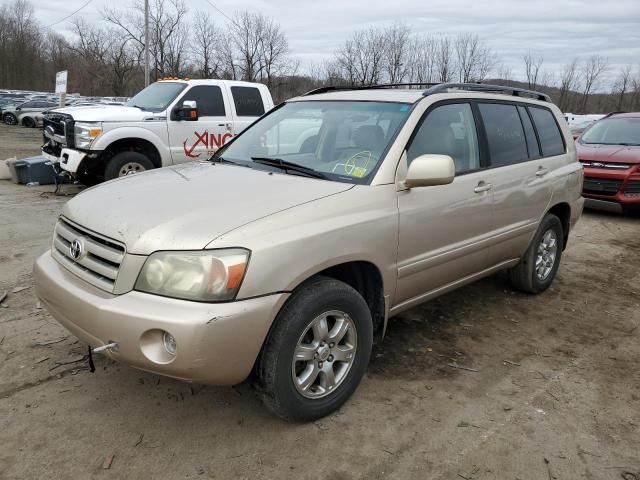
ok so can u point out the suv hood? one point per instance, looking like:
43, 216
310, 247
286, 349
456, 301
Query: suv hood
105, 113
609, 153
188, 206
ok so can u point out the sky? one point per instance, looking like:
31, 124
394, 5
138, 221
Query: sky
557, 30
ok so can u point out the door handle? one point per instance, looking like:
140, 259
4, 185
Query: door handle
542, 172
483, 187
226, 125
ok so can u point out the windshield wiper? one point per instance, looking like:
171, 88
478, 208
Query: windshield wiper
289, 166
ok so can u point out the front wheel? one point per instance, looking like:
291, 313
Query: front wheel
317, 351
10, 119
126, 163
540, 263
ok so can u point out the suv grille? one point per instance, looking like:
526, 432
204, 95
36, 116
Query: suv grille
601, 186
633, 186
99, 259
605, 165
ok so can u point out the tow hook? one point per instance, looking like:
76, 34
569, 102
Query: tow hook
111, 347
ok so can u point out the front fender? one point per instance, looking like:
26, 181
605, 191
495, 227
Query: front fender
121, 133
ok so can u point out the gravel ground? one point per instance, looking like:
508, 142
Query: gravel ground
554, 390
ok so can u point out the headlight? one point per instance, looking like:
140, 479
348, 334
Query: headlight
86, 133
204, 275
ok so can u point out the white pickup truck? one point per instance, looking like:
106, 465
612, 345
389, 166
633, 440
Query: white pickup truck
169, 122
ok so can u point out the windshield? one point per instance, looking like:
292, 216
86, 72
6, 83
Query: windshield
157, 96
614, 131
344, 141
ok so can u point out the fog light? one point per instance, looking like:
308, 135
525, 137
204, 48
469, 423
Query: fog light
169, 343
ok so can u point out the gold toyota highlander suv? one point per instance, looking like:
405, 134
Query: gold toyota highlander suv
284, 255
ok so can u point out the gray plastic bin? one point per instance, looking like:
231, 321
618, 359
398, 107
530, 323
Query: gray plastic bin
35, 170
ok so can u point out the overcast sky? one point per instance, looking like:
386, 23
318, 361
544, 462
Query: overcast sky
557, 30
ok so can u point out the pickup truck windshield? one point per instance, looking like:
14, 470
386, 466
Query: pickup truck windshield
341, 140
157, 96
614, 131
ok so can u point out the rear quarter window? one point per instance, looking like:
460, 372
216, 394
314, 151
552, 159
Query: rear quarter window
505, 136
248, 101
548, 131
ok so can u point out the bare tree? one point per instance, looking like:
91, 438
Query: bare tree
205, 46
622, 85
361, 57
168, 32
444, 60
567, 83
591, 71
532, 69
422, 61
274, 51
397, 44
474, 59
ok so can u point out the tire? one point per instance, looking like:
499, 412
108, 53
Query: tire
10, 119
277, 373
28, 122
527, 276
127, 163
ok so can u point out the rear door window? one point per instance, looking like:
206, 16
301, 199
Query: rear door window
530, 134
208, 99
248, 101
548, 131
505, 135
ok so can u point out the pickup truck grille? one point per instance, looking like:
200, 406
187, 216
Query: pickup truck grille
601, 186
58, 128
99, 258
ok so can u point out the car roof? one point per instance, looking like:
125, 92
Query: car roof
625, 115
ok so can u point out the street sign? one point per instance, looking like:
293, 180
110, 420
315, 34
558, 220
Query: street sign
61, 82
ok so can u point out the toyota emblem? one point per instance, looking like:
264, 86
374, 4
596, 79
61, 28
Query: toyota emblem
75, 249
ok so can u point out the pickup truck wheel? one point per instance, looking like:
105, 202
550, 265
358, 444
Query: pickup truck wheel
539, 265
317, 351
126, 163
10, 119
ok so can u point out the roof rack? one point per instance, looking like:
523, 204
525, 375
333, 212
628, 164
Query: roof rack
334, 88
483, 87
433, 88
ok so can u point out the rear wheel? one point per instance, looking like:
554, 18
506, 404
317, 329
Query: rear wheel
317, 351
28, 122
539, 265
126, 163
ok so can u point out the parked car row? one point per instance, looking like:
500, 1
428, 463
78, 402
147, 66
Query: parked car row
26, 108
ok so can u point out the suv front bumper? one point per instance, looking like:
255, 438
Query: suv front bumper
217, 343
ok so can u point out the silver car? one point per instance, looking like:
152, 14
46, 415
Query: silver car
283, 257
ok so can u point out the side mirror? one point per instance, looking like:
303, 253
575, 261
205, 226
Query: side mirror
187, 112
430, 170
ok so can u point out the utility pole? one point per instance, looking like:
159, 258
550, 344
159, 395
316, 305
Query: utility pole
146, 43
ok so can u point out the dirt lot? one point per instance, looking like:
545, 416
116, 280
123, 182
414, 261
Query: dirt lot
554, 392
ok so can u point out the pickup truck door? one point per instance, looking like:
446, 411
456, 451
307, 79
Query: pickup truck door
248, 104
197, 140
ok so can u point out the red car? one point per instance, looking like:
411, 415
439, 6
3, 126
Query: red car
609, 151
